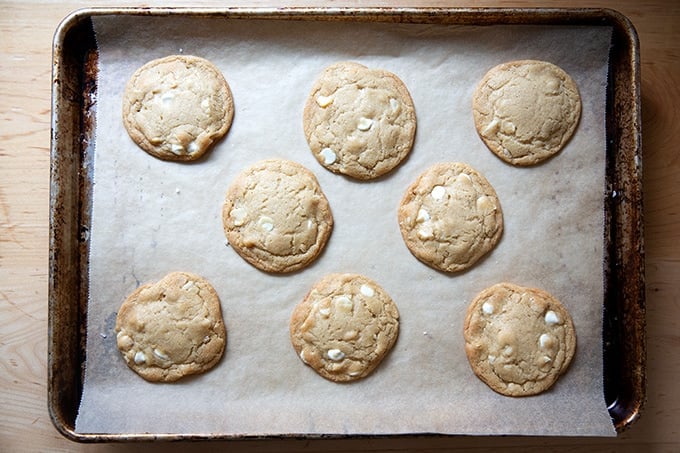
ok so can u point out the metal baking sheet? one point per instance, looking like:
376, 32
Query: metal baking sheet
73, 128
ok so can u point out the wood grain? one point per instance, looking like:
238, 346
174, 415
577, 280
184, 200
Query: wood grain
26, 30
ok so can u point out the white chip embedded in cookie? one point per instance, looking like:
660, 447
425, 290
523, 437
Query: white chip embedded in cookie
359, 121
525, 111
450, 217
344, 327
276, 216
518, 340
172, 328
176, 107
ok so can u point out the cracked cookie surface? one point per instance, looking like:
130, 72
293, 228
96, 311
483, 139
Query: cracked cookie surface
176, 107
172, 328
525, 111
276, 216
450, 217
344, 327
359, 121
518, 340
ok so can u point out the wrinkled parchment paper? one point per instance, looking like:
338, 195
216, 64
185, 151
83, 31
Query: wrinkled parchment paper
151, 217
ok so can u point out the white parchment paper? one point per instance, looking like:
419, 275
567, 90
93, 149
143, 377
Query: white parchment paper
151, 217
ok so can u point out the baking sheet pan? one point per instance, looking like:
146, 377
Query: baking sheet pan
73, 129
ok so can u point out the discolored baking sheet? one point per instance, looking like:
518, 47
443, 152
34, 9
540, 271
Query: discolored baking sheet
75, 89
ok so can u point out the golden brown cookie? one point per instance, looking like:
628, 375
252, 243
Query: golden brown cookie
525, 111
344, 327
358, 121
172, 328
450, 217
518, 340
176, 107
276, 216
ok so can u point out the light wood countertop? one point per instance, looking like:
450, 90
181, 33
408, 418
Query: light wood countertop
26, 31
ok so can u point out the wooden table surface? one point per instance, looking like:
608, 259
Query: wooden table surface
26, 31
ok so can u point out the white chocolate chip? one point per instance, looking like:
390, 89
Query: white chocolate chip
508, 128
167, 97
177, 149
324, 101
328, 155
491, 128
193, 147
335, 354
205, 105
545, 341
159, 354
426, 232
350, 335
508, 350
364, 124
123, 340
552, 84
491, 358
266, 223
485, 204
464, 178
344, 303
324, 311
394, 104
188, 286
238, 215
551, 318
140, 358
302, 356
423, 215
487, 308
367, 291
438, 192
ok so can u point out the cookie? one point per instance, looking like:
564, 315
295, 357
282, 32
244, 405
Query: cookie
450, 217
176, 107
172, 328
525, 111
359, 122
518, 340
276, 216
344, 327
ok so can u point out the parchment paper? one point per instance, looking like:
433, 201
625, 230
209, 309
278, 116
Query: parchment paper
151, 217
